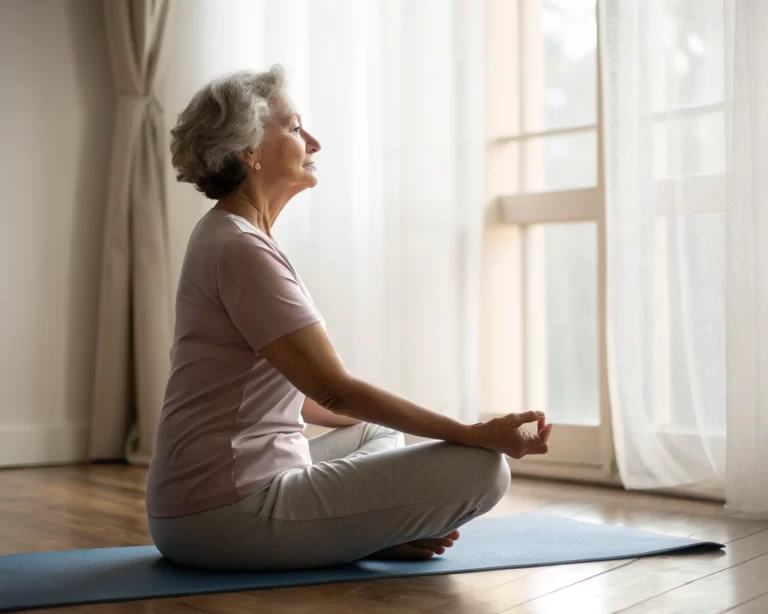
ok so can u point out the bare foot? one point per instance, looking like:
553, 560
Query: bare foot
418, 549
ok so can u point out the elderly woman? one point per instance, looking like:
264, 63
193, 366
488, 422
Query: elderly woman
234, 484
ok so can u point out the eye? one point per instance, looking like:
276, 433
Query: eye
297, 129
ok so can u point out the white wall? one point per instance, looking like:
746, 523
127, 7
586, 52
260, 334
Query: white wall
56, 111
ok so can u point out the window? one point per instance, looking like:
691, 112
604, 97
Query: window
543, 339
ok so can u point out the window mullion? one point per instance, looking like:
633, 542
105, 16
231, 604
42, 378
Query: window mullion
549, 207
501, 140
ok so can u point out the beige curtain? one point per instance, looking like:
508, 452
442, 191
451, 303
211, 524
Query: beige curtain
135, 312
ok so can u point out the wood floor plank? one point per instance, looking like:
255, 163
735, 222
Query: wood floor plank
157, 606
537, 582
713, 593
299, 600
457, 585
305, 602
758, 605
644, 578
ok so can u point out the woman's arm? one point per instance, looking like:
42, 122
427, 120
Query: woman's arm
309, 361
319, 416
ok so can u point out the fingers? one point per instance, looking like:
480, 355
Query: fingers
528, 416
532, 440
538, 443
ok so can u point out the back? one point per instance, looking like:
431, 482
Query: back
230, 421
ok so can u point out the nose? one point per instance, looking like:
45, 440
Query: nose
313, 145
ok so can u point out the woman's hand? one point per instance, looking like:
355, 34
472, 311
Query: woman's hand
505, 435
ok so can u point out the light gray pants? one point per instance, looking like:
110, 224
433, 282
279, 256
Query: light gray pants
364, 492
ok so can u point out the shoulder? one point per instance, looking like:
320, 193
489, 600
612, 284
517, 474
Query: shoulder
248, 244
252, 255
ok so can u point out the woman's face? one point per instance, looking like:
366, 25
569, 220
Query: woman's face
286, 154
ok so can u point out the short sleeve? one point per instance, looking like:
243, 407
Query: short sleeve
260, 292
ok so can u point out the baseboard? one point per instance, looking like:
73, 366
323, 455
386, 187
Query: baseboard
26, 445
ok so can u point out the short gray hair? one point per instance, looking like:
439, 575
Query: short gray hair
223, 118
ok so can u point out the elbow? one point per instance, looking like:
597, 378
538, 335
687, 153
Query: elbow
334, 393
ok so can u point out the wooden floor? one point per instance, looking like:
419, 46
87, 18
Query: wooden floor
102, 505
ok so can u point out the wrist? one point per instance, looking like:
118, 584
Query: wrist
469, 435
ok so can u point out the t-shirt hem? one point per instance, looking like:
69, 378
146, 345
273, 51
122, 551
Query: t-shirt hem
177, 510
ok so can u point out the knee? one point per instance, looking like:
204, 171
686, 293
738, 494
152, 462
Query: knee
499, 477
487, 475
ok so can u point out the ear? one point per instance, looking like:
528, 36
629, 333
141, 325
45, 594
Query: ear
249, 156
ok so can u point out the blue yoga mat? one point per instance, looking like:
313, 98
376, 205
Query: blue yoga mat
101, 575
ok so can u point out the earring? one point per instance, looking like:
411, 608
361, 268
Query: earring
256, 166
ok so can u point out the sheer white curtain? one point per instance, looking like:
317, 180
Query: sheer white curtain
389, 241
685, 92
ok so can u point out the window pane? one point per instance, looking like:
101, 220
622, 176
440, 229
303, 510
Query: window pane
559, 64
561, 322
689, 146
688, 59
562, 162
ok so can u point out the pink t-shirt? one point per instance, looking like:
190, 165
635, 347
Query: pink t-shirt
230, 422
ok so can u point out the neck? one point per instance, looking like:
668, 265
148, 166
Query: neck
255, 205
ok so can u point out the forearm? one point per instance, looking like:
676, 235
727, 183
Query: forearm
358, 399
312, 413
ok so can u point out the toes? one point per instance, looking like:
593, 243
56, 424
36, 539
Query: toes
437, 545
426, 544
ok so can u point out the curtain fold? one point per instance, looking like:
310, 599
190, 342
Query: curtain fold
747, 253
685, 98
135, 313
